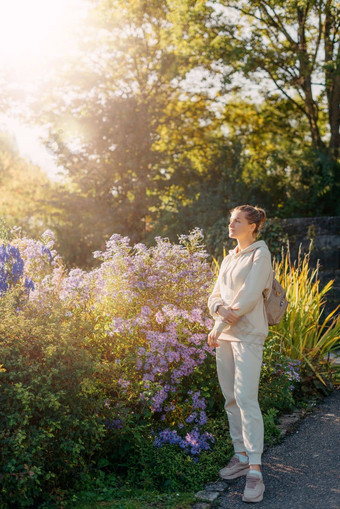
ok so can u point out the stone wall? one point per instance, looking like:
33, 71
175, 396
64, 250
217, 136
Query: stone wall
325, 234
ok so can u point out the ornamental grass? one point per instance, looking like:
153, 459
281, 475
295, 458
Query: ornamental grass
305, 332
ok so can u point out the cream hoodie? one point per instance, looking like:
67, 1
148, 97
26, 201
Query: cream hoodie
245, 276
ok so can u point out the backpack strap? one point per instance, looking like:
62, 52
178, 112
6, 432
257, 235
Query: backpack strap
264, 293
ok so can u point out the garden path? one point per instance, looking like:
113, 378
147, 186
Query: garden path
302, 472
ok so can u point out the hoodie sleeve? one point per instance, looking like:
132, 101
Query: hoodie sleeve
215, 296
257, 281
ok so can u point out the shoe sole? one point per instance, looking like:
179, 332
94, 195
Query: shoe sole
257, 499
240, 473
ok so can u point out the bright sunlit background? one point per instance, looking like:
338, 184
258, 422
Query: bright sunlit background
34, 34
35, 30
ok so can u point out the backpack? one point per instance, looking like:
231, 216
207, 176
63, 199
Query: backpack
276, 304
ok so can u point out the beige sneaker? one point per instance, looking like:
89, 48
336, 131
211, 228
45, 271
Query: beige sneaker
254, 489
234, 469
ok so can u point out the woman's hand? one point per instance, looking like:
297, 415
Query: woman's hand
228, 315
213, 338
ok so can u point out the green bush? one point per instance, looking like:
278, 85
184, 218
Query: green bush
50, 427
279, 378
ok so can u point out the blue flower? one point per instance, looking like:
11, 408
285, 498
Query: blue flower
193, 443
29, 285
12, 268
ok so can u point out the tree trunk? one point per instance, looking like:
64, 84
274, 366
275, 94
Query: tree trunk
332, 82
306, 80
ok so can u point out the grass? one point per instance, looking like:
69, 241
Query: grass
140, 499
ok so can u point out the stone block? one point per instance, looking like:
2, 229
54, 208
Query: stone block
207, 496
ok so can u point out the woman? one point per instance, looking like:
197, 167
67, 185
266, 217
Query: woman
241, 326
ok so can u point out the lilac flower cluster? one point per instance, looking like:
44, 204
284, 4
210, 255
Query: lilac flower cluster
113, 424
198, 405
290, 370
193, 443
12, 269
75, 287
163, 270
37, 255
168, 352
166, 287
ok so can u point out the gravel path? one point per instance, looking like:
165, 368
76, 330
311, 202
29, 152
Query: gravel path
302, 472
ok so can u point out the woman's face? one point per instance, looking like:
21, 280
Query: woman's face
239, 226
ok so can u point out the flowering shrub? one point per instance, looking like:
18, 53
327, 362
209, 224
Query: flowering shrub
194, 442
50, 428
156, 323
137, 327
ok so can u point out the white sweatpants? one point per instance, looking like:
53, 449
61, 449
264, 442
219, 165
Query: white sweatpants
238, 369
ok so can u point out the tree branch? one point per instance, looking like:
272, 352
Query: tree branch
284, 92
278, 23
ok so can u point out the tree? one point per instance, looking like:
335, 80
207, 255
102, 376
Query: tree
25, 193
113, 109
296, 45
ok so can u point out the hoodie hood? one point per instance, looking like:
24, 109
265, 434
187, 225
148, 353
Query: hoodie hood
255, 245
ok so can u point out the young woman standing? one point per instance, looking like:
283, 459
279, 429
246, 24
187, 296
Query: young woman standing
241, 326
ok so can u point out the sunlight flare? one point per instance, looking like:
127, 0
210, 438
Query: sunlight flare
33, 31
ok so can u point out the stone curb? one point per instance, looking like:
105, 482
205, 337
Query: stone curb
213, 490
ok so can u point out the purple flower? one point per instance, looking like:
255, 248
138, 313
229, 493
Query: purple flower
123, 383
159, 317
191, 417
12, 269
29, 285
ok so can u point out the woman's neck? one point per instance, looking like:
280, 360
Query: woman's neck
244, 243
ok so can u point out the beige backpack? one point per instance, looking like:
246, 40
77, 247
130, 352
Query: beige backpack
276, 304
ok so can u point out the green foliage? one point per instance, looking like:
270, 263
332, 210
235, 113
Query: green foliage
272, 234
132, 498
314, 185
276, 383
50, 427
271, 433
317, 380
25, 192
5, 231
